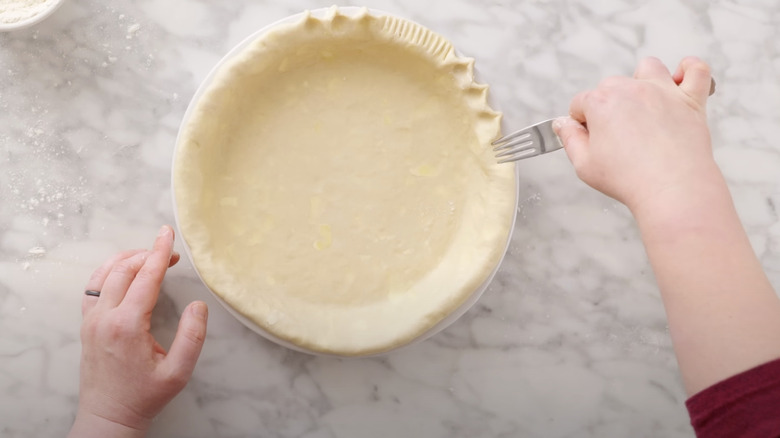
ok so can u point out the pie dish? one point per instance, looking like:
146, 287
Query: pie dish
334, 184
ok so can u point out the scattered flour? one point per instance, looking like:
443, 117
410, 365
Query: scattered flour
37, 250
14, 11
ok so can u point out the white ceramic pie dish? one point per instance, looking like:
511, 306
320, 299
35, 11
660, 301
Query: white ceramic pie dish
33, 20
452, 316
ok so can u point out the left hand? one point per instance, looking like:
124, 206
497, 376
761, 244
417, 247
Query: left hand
126, 376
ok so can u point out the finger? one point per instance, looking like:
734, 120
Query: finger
98, 278
694, 77
574, 138
175, 257
187, 344
577, 107
652, 69
119, 280
143, 292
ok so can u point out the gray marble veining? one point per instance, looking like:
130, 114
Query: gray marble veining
569, 341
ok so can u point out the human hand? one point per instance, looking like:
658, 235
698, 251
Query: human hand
126, 376
646, 143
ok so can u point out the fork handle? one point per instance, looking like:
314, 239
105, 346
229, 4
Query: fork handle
548, 139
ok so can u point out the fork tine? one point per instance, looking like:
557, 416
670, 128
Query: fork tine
529, 142
512, 136
514, 143
514, 151
517, 155
514, 158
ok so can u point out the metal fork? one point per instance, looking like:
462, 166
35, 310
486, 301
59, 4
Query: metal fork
534, 140
529, 142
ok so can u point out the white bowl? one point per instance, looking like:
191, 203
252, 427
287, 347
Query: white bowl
441, 325
31, 21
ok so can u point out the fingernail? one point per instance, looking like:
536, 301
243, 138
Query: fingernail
164, 230
200, 310
557, 124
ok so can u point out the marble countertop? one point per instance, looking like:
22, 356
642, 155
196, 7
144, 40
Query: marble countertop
570, 339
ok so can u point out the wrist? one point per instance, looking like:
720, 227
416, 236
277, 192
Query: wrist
686, 198
704, 207
88, 425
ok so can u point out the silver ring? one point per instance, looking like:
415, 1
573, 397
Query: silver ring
92, 293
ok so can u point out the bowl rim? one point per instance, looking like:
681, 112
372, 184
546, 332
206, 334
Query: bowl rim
208, 80
32, 21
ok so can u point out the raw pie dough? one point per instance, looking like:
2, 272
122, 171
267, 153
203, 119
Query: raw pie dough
335, 183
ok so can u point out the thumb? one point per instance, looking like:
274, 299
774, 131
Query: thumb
188, 341
693, 76
574, 138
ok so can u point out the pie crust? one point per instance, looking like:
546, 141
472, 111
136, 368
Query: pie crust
335, 185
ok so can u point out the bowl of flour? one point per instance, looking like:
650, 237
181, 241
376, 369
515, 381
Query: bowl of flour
20, 14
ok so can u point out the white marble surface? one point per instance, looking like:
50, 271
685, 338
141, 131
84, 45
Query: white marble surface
569, 341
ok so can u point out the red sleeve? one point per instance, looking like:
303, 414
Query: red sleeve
746, 405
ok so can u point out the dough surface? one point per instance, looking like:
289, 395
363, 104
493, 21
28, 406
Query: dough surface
335, 184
